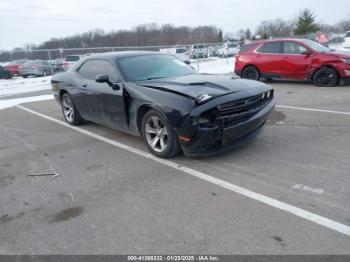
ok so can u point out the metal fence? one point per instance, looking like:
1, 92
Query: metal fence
48, 54
54, 55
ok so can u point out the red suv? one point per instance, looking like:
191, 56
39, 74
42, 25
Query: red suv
293, 59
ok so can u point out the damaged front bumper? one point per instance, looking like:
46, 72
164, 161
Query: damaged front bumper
210, 141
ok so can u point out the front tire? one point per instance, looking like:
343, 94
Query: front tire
326, 77
70, 113
158, 136
251, 72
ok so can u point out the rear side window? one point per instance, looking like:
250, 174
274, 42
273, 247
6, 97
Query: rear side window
180, 50
90, 69
247, 47
336, 40
270, 48
347, 34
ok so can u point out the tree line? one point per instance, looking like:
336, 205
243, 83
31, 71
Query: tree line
141, 35
304, 24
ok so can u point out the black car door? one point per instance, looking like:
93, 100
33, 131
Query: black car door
101, 102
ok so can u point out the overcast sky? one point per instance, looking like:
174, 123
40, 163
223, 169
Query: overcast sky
34, 21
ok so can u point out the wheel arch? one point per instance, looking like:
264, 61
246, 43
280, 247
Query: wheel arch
253, 66
62, 92
312, 75
141, 111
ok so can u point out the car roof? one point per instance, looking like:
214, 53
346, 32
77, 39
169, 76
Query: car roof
279, 40
122, 54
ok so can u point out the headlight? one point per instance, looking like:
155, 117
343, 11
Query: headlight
203, 121
206, 120
345, 60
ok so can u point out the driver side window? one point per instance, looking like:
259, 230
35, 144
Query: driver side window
293, 48
91, 68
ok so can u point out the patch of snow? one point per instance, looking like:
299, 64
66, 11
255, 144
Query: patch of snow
19, 85
16, 101
216, 66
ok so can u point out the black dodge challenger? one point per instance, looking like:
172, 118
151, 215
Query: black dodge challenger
165, 101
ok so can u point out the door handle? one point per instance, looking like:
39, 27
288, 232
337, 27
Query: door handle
85, 85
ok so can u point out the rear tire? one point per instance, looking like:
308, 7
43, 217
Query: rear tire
158, 135
251, 72
70, 113
326, 77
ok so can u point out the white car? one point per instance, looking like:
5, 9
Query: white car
346, 43
179, 52
198, 51
228, 49
70, 60
336, 43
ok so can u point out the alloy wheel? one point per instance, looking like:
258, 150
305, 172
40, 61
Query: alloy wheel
251, 74
156, 134
68, 109
325, 78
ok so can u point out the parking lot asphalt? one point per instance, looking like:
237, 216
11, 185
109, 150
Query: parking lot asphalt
110, 200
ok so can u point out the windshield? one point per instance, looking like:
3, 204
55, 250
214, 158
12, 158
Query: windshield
139, 68
316, 46
72, 58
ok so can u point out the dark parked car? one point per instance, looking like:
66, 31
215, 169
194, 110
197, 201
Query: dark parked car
165, 101
294, 59
35, 68
4, 73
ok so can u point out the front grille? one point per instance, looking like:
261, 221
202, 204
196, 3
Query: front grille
238, 111
243, 105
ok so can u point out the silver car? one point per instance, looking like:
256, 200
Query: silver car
35, 68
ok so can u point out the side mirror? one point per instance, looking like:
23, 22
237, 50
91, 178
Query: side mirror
102, 79
306, 53
105, 79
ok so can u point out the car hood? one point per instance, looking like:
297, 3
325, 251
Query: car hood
338, 54
202, 87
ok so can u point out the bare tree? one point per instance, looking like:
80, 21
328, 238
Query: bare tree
275, 28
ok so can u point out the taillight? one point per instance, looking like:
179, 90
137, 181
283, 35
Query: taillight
65, 64
35, 66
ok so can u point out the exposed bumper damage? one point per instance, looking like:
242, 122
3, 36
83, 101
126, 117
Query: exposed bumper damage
224, 137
